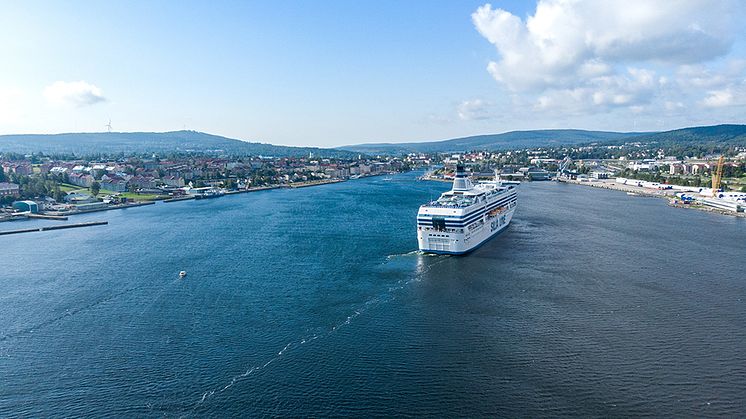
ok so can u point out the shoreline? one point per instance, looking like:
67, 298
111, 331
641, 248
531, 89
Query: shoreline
638, 191
668, 195
313, 183
296, 185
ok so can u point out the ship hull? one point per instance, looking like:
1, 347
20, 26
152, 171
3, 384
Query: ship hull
456, 243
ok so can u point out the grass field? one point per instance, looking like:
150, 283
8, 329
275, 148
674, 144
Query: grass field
141, 197
65, 187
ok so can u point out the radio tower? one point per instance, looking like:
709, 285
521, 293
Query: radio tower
108, 126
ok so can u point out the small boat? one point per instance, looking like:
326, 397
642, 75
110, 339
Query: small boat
631, 194
182, 274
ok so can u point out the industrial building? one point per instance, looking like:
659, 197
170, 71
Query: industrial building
26, 206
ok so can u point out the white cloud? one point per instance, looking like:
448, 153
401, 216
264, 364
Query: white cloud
471, 110
672, 106
718, 98
733, 95
590, 56
75, 93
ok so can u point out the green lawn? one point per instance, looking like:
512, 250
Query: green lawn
131, 196
141, 197
65, 187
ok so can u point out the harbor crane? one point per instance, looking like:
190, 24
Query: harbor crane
717, 176
564, 164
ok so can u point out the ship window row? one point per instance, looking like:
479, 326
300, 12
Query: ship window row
446, 230
440, 224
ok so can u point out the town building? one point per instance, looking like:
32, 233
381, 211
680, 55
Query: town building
9, 189
26, 206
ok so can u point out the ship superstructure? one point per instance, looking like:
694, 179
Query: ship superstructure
465, 217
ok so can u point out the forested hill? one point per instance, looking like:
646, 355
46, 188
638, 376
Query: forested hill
726, 134
720, 134
507, 140
155, 142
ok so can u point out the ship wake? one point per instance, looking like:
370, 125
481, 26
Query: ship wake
384, 297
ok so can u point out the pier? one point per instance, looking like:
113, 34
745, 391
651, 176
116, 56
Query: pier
58, 227
178, 198
313, 183
47, 217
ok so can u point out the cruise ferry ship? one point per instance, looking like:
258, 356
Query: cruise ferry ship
465, 217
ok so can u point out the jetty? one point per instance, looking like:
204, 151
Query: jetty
313, 183
58, 227
47, 217
254, 189
178, 198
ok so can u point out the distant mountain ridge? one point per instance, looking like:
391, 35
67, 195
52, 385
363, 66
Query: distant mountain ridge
512, 139
724, 133
199, 142
555, 137
153, 142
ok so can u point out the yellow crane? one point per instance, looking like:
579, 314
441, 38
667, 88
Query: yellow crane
717, 176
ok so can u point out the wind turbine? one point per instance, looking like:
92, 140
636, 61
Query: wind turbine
108, 126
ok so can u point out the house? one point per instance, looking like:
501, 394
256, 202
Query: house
81, 179
98, 170
113, 183
142, 182
698, 168
173, 181
79, 198
9, 189
23, 169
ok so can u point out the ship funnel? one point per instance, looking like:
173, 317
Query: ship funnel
460, 181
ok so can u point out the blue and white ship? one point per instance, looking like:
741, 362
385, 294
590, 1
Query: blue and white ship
465, 217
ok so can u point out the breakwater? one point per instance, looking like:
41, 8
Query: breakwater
49, 228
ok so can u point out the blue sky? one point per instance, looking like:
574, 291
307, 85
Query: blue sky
333, 73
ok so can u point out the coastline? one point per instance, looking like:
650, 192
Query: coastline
313, 183
668, 194
296, 185
638, 191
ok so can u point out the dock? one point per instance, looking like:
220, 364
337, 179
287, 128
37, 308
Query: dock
58, 227
178, 198
48, 217
612, 185
313, 183
255, 189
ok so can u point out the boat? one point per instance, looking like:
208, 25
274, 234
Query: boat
388, 178
465, 217
631, 194
182, 274
207, 193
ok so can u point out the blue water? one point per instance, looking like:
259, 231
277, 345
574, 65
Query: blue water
312, 302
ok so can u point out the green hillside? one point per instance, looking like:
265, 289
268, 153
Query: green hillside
152, 142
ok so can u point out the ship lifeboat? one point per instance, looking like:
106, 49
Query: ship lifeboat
496, 211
